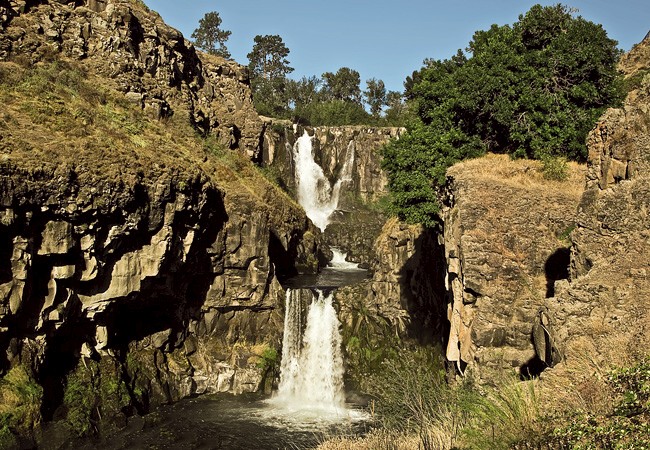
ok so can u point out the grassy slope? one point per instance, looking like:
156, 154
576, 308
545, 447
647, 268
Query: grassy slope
57, 117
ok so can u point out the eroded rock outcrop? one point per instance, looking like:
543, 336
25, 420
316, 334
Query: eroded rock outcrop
506, 244
138, 54
605, 309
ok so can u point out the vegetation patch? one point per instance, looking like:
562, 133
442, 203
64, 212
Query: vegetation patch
94, 391
625, 426
20, 403
530, 90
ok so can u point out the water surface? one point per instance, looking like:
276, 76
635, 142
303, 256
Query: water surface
226, 421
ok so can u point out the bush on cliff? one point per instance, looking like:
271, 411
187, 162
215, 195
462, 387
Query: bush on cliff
20, 403
533, 89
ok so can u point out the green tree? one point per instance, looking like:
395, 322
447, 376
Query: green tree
304, 91
343, 85
268, 58
209, 36
269, 67
397, 112
375, 95
533, 89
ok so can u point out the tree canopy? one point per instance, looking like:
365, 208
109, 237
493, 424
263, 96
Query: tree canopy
209, 36
533, 89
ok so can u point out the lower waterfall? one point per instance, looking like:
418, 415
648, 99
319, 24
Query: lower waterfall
311, 371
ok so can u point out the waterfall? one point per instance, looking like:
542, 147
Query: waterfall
338, 261
311, 371
315, 194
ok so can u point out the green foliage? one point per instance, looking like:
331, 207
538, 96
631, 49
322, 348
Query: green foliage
633, 383
332, 113
209, 36
628, 424
269, 67
269, 360
417, 164
94, 391
333, 99
268, 58
344, 85
555, 168
375, 95
533, 89
20, 402
565, 236
80, 400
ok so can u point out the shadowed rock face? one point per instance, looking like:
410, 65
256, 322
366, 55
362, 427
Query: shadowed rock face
152, 271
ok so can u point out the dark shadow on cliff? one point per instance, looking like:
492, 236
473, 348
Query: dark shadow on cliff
62, 356
556, 268
176, 296
283, 259
532, 368
422, 282
168, 301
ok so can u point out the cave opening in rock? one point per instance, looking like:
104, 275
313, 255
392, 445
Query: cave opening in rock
556, 268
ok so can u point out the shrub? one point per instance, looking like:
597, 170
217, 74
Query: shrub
626, 426
20, 402
555, 168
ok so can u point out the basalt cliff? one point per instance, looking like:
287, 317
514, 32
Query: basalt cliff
140, 248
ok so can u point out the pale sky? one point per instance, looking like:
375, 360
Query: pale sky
381, 39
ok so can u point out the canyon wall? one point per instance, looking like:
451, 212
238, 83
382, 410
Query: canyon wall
604, 310
506, 241
139, 261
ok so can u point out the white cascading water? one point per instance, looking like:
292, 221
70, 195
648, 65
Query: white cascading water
315, 194
311, 370
338, 261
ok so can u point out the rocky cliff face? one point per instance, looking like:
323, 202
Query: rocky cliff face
139, 263
506, 244
135, 52
604, 310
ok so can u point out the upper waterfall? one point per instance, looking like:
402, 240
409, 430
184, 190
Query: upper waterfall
315, 193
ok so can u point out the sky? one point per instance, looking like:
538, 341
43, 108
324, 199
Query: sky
381, 39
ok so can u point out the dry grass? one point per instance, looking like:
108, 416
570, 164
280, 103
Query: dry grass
386, 440
520, 173
581, 384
